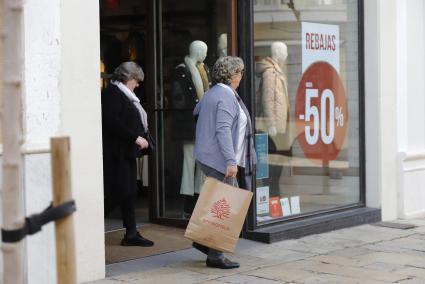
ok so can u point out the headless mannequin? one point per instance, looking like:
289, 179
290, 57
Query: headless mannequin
275, 101
197, 81
279, 53
222, 45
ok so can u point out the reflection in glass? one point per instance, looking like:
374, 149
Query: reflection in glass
289, 181
194, 35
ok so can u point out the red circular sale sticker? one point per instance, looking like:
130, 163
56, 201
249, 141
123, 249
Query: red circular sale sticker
321, 113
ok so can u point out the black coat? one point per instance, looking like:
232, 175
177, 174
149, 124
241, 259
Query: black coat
183, 100
121, 125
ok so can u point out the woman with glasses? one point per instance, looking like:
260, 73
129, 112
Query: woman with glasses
224, 145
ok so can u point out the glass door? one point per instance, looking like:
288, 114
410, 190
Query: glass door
192, 34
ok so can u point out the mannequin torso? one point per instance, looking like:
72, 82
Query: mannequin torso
190, 79
274, 90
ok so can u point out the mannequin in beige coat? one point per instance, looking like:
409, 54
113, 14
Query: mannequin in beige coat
275, 101
274, 88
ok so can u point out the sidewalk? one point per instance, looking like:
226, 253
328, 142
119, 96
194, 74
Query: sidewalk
365, 254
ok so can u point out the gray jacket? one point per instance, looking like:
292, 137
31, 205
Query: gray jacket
217, 128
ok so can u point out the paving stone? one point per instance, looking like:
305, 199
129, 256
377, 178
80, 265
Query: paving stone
413, 252
356, 273
412, 271
407, 243
365, 254
418, 236
295, 257
420, 230
301, 264
401, 259
326, 244
350, 252
212, 282
279, 253
281, 273
284, 247
289, 246
372, 233
364, 235
165, 275
340, 260
309, 248
254, 261
392, 248
201, 268
413, 281
370, 261
333, 279
247, 279
382, 266
393, 232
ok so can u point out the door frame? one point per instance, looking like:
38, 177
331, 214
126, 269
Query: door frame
154, 86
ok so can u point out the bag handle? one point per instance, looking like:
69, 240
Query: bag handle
234, 181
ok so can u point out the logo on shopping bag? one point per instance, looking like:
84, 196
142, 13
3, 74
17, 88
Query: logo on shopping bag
220, 209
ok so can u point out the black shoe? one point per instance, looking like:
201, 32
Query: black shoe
201, 248
222, 263
137, 240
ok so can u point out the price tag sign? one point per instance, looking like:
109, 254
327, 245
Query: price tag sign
321, 113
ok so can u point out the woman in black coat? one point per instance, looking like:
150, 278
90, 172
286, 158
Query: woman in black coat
124, 128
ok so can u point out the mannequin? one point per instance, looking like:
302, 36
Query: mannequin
222, 45
190, 81
275, 102
274, 88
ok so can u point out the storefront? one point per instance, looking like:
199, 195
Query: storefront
306, 91
373, 161
303, 85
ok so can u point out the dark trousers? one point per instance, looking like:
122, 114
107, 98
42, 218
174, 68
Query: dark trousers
127, 207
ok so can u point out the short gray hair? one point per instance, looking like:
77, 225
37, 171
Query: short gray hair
225, 67
128, 71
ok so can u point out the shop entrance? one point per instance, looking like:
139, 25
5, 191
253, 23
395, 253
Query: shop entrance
163, 37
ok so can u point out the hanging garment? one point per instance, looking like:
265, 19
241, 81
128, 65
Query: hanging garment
274, 94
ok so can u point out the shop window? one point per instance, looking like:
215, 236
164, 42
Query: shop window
306, 107
1, 73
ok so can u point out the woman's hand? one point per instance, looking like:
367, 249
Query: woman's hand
231, 171
142, 143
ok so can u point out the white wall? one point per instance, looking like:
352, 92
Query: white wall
41, 104
387, 86
411, 108
41, 255
371, 48
381, 106
42, 69
395, 107
81, 119
62, 97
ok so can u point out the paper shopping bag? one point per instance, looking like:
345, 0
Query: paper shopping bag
219, 214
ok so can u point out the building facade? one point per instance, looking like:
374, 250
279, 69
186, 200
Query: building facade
335, 89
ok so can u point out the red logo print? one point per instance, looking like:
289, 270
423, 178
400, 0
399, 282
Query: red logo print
221, 209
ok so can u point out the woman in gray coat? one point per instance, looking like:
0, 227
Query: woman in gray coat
223, 145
